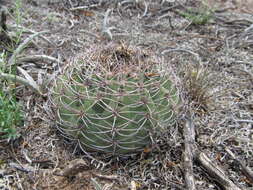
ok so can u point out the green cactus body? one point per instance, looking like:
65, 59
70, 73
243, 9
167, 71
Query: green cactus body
116, 114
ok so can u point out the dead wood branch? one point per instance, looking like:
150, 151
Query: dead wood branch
245, 170
216, 172
192, 152
189, 136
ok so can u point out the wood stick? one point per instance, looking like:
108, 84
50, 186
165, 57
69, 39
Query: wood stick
245, 170
216, 172
189, 136
192, 152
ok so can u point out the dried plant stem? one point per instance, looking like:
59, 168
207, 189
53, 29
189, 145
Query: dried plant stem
107, 177
89, 33
146, 10
19, 49
181, 50
105, 29
26, 30
21, 80
84, 7
37, 58
78, 8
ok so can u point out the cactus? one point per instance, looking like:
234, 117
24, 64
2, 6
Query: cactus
114, 101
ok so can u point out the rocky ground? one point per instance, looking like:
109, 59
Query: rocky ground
208, 43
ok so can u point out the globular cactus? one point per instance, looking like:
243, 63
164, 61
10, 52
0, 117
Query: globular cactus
114, 101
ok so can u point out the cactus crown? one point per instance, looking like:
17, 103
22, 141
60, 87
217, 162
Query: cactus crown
114, 101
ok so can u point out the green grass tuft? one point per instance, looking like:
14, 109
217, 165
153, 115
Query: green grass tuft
198, 17
10, 117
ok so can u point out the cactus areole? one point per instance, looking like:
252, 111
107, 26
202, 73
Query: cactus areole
114, 101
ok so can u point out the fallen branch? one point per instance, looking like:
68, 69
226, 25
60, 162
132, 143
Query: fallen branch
216, 172
189, 136
192, 152
245, 170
